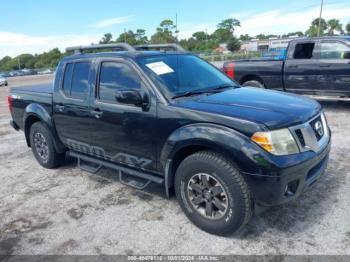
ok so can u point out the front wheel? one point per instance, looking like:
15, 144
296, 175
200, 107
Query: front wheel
43, 147
212, 193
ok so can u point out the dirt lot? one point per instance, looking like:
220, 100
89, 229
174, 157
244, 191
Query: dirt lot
68, 211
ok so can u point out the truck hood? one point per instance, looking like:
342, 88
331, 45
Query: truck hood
274, 109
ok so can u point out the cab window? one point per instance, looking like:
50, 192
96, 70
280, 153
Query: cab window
304, 51
334, 50
76, 80
115, 76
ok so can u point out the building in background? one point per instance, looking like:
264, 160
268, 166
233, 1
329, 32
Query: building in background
268, 45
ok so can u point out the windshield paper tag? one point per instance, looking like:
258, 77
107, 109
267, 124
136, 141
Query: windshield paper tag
160, 68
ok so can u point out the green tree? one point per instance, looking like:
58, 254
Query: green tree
200, 36
334, 26
229, 24
265, 37
221, 35
233, 44
141, 37
313, 29
127, 37
26, 60
245, 37
164, 33
347, 28
298, 33
106, 39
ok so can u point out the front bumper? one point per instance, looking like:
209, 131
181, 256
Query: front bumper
289, 182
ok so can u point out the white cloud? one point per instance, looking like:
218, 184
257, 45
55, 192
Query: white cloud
13, 44
113, 21
280, 21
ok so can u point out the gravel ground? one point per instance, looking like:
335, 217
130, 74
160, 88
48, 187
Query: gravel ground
68, 211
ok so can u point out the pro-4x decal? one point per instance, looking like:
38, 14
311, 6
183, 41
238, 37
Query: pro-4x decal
100, 152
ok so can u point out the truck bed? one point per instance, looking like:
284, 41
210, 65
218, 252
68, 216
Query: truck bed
24, 96
267, 71
42, 89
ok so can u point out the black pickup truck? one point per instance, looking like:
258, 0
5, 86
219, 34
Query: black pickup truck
170, 118
314, 66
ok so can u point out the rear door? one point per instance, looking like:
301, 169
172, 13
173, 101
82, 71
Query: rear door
335, 66
71, 104
301, 69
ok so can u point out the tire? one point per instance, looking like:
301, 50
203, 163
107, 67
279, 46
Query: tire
218, 171
43, 148
254, 83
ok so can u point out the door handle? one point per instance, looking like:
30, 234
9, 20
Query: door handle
327, 65
293, 66
96, 113
60, 107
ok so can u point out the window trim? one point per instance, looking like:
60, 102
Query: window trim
97, 83
70, 90
330, 41
314, 52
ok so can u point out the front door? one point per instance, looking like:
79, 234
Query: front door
301, 69
335, 65
122, 133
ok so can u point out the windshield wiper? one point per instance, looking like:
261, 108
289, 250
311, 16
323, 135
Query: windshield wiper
220, 87
189, 93
204, 91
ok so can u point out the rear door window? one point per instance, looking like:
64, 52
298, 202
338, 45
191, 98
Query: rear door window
67, 80
334, 50
80, 80
76, 80
304, 51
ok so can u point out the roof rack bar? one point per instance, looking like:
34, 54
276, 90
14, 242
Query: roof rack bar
80, 49
150, 46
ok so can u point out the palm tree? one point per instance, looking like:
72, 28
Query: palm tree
334, 25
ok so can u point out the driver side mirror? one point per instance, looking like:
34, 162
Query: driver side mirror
129, 96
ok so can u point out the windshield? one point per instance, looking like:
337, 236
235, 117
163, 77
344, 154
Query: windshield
179, 74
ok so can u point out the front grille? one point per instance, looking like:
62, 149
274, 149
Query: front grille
317, 127
300, 137
312, 135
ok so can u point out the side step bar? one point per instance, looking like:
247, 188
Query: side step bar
148, 177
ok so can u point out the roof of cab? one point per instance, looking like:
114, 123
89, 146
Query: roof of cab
125, 54
346, 38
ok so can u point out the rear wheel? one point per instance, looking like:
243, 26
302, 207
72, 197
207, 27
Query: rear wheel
254, 83
43, 147
212, 193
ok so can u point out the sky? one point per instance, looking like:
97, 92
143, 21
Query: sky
34, 26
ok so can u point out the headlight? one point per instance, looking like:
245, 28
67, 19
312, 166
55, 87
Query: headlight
278, 142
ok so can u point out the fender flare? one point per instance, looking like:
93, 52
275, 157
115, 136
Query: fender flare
38, 111
219, 138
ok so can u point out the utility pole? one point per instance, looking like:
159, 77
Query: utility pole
177, 32
319, 20
124, 35
19, 63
